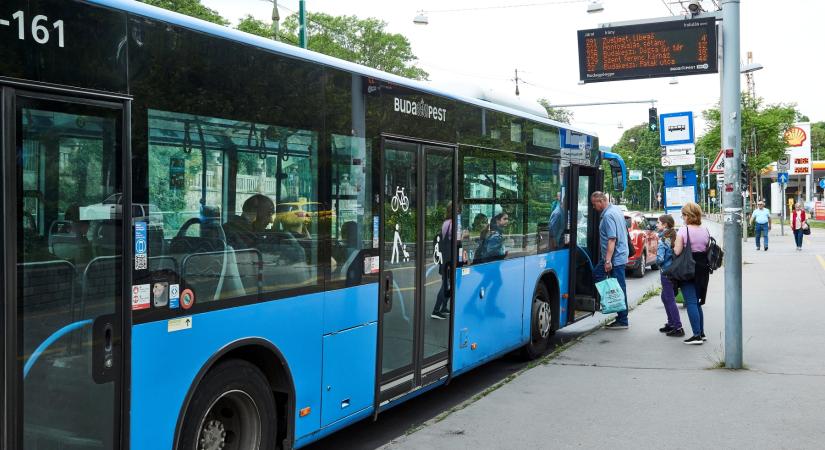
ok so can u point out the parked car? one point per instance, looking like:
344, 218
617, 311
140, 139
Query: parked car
644, 241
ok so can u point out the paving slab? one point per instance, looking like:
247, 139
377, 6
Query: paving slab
640, 389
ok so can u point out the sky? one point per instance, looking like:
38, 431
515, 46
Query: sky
483, 47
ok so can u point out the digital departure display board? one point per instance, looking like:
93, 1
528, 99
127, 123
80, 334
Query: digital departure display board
662, 49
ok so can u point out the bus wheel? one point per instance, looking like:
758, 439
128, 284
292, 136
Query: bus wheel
232, 409
541, 324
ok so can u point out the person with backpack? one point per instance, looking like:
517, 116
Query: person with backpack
664, 258
694, 239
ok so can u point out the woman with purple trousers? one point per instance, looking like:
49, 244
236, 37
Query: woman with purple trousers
664, 257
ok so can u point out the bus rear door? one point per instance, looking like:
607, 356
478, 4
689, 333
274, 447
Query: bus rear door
63, 277
418, 254
584, 242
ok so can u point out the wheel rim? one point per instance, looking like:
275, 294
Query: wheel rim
232, 422
544, 319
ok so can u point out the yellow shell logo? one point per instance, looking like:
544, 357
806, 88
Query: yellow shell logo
795, 136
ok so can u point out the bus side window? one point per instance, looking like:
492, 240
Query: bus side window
351, 215
237, 203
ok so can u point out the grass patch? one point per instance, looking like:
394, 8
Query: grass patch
679, 299
653, 291
816, 224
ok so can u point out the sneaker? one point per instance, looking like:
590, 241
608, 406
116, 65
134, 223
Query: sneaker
445, 312
703, 337
617, 326
665, 329
438, 316
758, 248
766, 248
679, 332
694, 340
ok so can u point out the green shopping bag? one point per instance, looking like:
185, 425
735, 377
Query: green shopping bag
612, 296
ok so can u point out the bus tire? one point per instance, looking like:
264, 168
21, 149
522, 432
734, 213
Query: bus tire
541, 323
233, 406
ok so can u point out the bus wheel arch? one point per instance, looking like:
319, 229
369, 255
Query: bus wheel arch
544, 303
266, 358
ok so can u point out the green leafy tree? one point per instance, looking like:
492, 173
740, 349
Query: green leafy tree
254, 26
558, 114
640, 149
362, 41
818, 140
763, 127
192, 8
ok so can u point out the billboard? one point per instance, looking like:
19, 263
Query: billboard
798, 139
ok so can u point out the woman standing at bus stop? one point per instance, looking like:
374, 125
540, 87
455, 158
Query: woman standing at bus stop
695, 239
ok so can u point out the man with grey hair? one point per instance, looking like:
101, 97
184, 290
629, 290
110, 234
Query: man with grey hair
614, 251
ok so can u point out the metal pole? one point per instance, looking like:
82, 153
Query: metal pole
302, 24
276, 20
650, 197
732, 142
782, 216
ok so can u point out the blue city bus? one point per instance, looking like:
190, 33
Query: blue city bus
304, 242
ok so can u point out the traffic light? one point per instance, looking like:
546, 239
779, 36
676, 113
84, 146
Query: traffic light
744, 177
652, 119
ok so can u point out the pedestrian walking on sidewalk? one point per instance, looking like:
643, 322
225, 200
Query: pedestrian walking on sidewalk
614, 250
762, 219
799, 224
695, 289
664, 257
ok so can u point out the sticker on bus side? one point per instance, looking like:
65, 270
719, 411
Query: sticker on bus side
141, 254
141, 296
178, 324
174, 296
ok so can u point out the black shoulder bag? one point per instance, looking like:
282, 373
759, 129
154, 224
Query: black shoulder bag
683, 267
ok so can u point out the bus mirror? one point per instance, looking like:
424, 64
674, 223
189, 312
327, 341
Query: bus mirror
618, 182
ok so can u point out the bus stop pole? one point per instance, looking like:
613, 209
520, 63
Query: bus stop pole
733, 200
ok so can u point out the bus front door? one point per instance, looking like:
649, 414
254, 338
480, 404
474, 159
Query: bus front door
62, 271
584, 242
417, 261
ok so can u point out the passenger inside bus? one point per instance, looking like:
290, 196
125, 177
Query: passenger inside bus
244, 231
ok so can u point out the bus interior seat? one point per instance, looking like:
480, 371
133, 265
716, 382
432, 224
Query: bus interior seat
208, 266
66, 243
101, 280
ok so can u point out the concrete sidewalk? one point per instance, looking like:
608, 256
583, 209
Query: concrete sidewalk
641, 389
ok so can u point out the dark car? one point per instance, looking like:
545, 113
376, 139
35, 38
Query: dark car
645, 241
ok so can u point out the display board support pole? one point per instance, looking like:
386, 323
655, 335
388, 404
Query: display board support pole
733, 201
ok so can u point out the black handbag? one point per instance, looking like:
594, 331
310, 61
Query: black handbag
683, 267
806, 229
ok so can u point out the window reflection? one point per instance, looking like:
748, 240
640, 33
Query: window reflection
237, 203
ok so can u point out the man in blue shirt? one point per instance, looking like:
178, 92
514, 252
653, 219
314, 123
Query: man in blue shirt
614, 250
762, 217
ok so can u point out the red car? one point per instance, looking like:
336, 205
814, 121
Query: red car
645, 240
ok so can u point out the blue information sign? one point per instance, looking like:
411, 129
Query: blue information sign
822, 183
782, 178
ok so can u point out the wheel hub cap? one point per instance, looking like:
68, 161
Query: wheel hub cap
544, 320
213, 436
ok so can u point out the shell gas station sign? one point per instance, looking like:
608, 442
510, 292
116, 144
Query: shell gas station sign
798, 140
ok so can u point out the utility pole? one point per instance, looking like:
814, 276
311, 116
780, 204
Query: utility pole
302, 23
732, 146
276, 20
